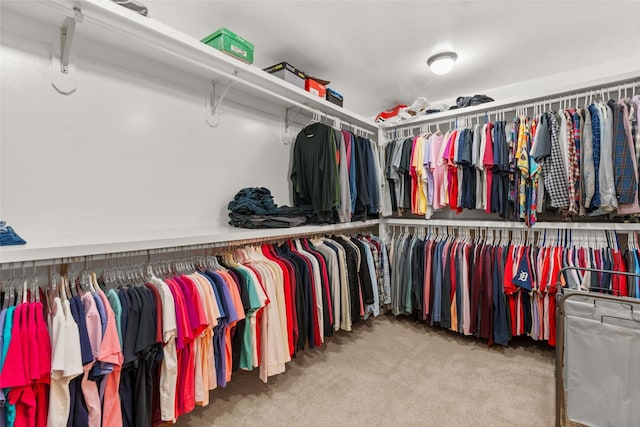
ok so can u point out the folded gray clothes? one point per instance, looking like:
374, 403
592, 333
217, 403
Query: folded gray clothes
265, 221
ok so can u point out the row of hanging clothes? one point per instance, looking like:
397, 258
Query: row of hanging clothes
605, 282
499, 284
576, 161
336, 172
143, 344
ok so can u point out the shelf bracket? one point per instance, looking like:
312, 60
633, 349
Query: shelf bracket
213, 102
286, 138
63, 72
287, 122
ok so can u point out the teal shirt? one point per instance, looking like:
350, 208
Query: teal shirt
6, 336
116, 306
246, 356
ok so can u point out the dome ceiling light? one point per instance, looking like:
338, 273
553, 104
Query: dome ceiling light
442, 63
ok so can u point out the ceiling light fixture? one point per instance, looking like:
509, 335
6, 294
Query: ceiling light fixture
442, 63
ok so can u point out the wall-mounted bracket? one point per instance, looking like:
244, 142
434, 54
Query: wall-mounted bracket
213, 102
289, 118
289, 121
63, 72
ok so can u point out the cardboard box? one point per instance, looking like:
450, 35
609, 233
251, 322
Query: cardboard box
288, 73
230, 43
334, 97
315, 88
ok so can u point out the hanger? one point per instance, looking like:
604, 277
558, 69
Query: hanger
35, 288
315, 118
5, 303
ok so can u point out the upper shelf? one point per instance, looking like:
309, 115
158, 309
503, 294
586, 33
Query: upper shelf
630, 76
148, 39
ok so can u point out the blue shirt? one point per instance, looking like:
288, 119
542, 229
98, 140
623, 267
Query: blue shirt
122, 296
79, 315
101, 311
595, 128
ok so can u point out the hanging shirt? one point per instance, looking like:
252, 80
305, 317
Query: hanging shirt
65, 365
625, 163
344, 210
169, 365
554, 169
314, 172
608, 201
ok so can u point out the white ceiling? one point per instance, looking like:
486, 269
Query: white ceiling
375, 52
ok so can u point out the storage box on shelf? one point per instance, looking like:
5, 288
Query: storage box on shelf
229, 42
334, 97
288, 73
315, 87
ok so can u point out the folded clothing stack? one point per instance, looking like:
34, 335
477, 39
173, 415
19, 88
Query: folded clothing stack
470, 101
254, 208
8, 237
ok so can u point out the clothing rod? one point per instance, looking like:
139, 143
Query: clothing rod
488, 109
300, 105
176, 250
579, 226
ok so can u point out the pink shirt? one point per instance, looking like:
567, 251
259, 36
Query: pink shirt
94, 324
111, 352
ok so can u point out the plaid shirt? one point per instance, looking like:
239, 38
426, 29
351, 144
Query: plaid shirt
555, 175
377, 261
574, 166
595, 129
623, 165
635, 130
385, 286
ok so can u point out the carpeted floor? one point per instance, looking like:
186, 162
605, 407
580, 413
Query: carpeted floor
398, 372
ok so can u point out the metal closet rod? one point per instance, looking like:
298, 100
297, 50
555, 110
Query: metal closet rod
176, 251
317, 113
516, 106
297, 104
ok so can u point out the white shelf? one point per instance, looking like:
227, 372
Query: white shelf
155, 43
118, 242
579, 87
78, 246
621, 227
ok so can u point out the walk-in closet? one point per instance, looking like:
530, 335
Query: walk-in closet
314, 213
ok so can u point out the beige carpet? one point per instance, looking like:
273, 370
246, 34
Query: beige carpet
394, 372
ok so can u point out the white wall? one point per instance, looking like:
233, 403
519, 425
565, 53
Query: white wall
125, 153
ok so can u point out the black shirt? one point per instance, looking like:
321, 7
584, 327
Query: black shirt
314, 172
